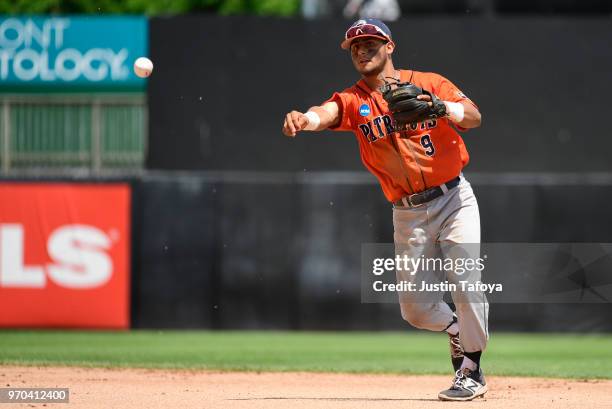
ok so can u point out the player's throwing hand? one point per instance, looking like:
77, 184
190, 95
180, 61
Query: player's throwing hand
294, 122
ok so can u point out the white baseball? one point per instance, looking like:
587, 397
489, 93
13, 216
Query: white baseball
143, 67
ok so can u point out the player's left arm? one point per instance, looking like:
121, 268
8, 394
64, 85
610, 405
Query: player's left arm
459, 108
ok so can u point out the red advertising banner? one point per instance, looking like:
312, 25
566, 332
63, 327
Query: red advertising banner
64, 255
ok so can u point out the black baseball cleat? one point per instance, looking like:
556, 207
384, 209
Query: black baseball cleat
456, 351
467, 385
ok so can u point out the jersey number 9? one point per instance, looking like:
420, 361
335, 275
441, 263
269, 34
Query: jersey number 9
428, 145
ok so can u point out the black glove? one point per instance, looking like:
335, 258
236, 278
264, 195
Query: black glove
405, 108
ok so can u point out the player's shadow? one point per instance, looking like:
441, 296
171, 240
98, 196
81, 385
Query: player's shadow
339, 399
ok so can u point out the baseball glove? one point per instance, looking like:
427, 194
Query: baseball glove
405, 108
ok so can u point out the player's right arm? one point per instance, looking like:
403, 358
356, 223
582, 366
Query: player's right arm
328, 115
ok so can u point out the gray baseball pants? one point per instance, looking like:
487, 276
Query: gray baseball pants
437, 229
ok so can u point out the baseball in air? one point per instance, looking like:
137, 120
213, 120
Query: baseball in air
143, 67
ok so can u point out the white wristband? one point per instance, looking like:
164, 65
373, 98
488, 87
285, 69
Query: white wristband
313, 121
455, 111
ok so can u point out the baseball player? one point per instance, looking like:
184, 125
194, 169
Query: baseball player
419, 166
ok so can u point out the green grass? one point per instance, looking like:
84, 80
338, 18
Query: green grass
549, 355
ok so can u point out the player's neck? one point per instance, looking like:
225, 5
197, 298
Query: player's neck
375, 81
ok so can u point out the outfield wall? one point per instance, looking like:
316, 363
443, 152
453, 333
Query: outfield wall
279, 251
250, 235
282, 250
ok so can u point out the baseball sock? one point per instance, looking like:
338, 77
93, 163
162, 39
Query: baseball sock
471, 360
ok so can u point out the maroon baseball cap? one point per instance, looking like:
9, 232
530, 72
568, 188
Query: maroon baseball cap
366, 27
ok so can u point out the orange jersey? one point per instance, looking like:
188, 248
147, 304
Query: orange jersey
428, 154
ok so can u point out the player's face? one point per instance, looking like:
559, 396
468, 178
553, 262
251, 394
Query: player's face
369, 55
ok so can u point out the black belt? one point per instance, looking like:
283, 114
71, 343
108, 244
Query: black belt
419, 199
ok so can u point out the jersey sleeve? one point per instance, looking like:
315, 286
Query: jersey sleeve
447, 91
346, 104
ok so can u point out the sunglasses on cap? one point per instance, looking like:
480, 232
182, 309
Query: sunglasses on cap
363, 30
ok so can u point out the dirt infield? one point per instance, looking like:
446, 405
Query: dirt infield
142, 388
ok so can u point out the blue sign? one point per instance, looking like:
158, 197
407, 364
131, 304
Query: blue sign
71, 52
364, 110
